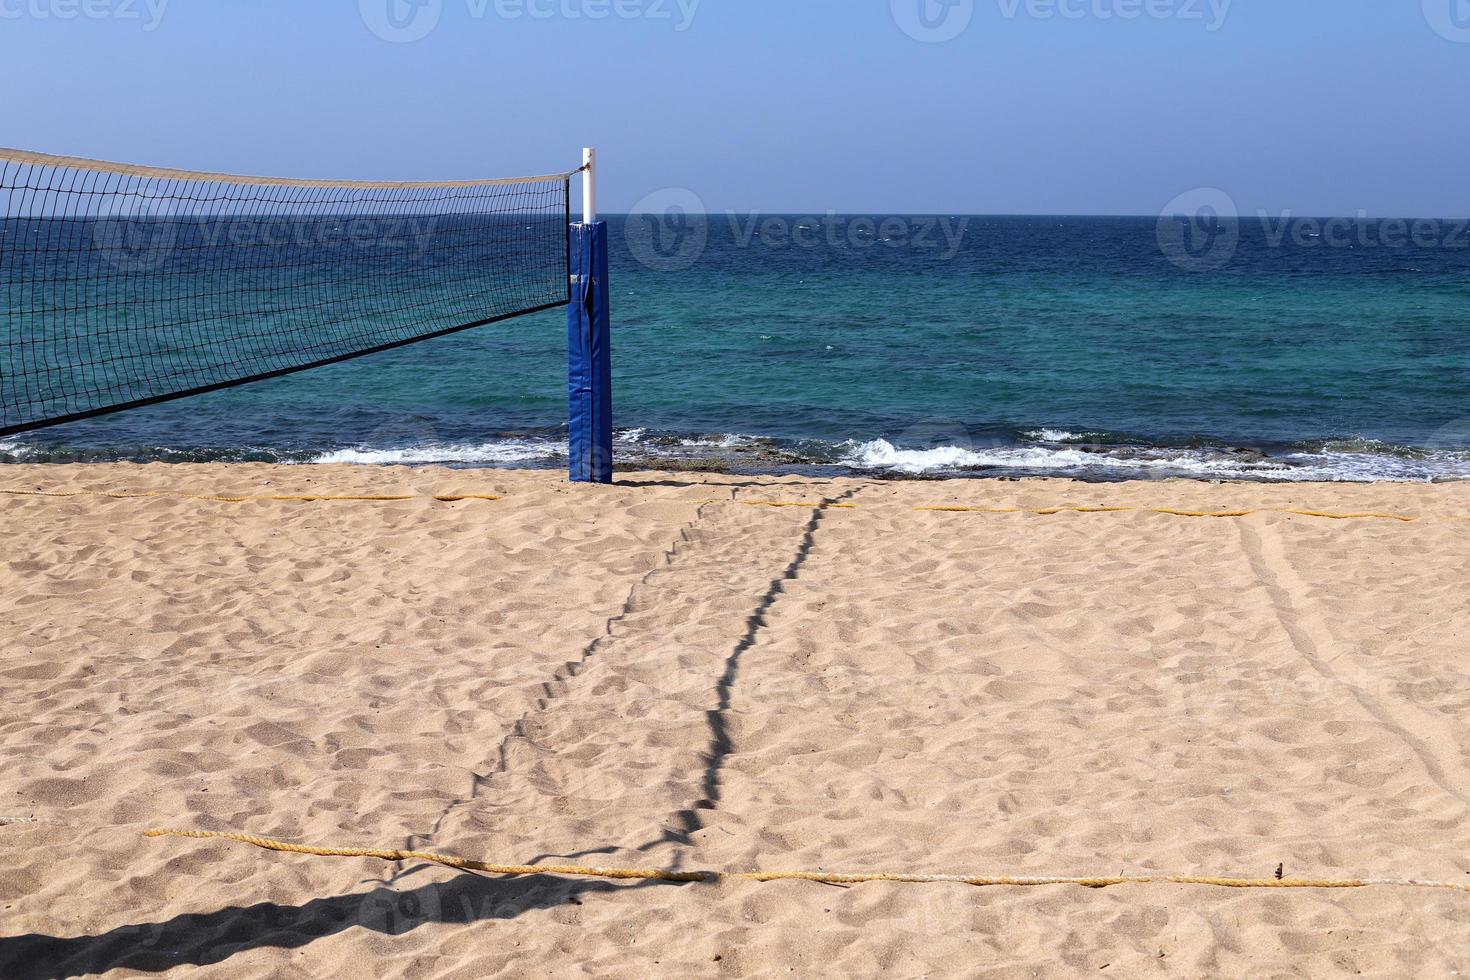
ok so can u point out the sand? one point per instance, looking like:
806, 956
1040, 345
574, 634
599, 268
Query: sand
657, 675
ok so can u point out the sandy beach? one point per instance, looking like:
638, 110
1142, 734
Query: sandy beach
669, 673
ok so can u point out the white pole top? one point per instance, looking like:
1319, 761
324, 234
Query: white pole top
589, 185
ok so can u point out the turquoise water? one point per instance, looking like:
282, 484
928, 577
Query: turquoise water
1096, 347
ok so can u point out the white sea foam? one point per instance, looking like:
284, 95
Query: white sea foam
1055, 435
1360, 467
489, 453
1349, 460
729, 441
880, 454
634, 443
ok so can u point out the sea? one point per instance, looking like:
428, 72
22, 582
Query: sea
1265, 347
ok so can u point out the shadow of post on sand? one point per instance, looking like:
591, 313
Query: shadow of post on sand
690, 820
213, 937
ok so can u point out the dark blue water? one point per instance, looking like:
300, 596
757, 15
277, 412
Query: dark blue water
1095, 347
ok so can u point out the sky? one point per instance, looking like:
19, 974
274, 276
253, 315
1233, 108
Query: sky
1316, 107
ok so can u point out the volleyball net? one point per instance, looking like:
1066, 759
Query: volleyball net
125, 286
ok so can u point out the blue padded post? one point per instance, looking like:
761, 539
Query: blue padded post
589, 378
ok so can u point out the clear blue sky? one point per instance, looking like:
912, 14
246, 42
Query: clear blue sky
1319, 106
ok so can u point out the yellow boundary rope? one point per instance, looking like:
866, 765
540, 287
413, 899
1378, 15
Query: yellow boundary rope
279, 498
823, 877
781, 503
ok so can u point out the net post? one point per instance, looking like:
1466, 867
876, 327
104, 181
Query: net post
589, 185
589, 343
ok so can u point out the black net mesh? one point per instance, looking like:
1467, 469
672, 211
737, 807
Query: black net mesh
122, 287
